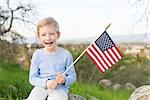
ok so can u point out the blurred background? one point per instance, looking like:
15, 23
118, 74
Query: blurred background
81, 21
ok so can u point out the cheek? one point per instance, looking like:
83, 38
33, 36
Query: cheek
54, 37
40, 40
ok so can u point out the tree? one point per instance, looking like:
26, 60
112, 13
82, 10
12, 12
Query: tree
9, 14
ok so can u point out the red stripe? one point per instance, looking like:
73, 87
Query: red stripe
118, 50
94, 61
114, 54
97, 58
99, 55
108, 59
111, 56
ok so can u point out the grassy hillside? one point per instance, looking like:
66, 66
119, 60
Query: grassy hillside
14, 83
14, 86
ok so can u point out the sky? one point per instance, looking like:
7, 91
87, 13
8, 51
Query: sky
88, 18
84, 18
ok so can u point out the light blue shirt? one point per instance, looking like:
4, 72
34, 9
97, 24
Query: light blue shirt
45, 65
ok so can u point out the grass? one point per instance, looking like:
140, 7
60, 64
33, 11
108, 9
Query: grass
14, 85
88, 90
13, 81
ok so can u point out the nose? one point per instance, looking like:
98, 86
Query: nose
47, 36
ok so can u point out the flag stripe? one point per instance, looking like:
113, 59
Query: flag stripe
118, 51
95, 57
103, 55
118, 55
98, 57
109, 57
115, 53
95, 61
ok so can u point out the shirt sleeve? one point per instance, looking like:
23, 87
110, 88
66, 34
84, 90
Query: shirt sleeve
71, 74
34, 78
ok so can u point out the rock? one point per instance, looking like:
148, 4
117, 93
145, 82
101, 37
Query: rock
105, 82
141, 93
122, 67
75, 97
91, 97
116, 86
130, 86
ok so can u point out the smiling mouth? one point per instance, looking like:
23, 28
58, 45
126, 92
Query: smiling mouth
49, 42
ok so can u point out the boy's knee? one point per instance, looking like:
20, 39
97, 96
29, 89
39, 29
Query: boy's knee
37, 93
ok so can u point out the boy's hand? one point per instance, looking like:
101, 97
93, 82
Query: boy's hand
60, 78
51, 84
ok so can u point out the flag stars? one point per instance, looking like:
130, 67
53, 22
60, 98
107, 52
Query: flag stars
104, 42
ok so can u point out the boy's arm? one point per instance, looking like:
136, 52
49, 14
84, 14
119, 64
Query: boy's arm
34, 78
34, 73
71, 74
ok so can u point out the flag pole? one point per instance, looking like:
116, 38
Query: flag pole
107, 26
83, 52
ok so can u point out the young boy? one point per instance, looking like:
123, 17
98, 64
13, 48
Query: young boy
48, 65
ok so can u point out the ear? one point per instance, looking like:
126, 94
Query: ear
58, 34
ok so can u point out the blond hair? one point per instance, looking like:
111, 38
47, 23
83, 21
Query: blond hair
47, 21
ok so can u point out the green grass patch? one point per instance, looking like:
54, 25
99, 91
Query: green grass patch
14, 85
89, 90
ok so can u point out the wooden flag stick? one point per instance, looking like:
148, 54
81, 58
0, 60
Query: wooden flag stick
83, 52
107, 26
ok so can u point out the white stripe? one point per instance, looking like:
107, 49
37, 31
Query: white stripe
113, 55
109, 57
99, 57
117, 53
109, 64
95, 60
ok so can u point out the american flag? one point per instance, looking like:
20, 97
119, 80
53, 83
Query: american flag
103, 52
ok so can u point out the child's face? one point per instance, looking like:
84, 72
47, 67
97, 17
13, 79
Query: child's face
48, 36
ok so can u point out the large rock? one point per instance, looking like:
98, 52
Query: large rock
141, 93
75, 97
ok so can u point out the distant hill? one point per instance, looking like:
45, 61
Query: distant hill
137, 38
